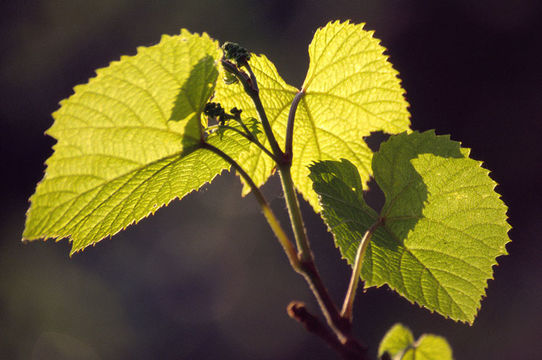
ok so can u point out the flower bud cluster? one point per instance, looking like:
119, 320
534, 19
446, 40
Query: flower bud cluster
216, 111
235, 52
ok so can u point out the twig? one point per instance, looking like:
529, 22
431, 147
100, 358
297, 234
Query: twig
349, 350
266, 209
253, 92
339, 327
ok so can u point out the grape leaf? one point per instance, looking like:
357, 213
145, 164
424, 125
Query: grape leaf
443, 225
396, 340
128, 143
350, 91
399, 344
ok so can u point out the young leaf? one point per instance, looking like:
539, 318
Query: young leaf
350, 91
397, 339
128, 143
399, 344
443, 225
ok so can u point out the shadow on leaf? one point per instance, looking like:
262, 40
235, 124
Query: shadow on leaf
192, 97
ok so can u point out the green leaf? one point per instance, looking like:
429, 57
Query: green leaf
399, 344
396, 340
443, 223
350, 90
430, 347
128, 143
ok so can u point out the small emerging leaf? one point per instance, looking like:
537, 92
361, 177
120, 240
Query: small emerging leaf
396, 340
399, 344
128, 143
443, 223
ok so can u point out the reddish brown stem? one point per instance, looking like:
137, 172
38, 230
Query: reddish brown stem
349, 349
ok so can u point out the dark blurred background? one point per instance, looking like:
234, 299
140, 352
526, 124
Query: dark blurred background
204, 278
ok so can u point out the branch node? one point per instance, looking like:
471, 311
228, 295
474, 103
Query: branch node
349, 349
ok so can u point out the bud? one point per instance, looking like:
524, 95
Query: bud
235, 112
214, 110
235, 52
229, 78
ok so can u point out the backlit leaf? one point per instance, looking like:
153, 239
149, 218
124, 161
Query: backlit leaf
399, 344
350, 90
396, 340
128, 143
443, 223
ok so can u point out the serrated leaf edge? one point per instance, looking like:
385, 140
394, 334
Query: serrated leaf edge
504, 251
184, 33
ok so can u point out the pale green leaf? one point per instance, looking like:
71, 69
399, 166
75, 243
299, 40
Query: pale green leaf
396, 340
430, 347
128, 143
350, 90
400, 345
443, 223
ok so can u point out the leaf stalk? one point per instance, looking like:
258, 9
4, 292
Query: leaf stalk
247, 135
290, 196
348, 305
288, 147
272, 220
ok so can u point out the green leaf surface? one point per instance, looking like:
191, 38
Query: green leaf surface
350, 90
400, 345
396, 340
443, 223
128, 143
